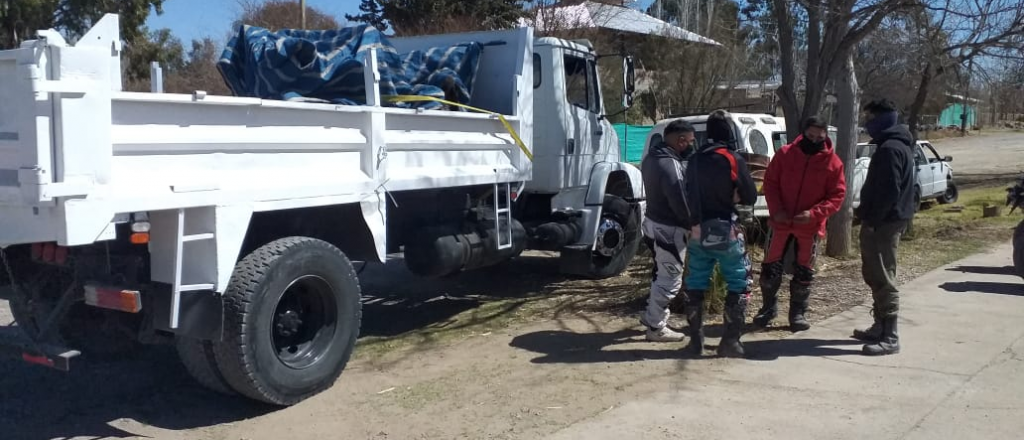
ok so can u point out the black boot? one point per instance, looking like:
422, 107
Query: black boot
771, 280
870, 334
735, 315
799, 294
889, 342
694, 307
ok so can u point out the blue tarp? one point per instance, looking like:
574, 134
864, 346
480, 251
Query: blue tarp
327, 66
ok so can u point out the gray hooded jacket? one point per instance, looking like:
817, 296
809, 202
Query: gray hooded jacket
664, 173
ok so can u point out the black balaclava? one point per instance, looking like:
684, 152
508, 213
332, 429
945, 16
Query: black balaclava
810, 147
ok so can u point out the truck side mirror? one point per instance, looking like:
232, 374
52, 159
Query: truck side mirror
628, 81
947, 159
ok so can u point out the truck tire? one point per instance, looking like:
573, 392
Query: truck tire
1018, 249
951, 195
199, 360
291, 318
618, 238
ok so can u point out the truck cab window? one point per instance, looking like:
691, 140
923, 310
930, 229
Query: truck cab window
580, 83
536, 71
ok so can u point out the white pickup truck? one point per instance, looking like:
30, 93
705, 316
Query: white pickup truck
227, 225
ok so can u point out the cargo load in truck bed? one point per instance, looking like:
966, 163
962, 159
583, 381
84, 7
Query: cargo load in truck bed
327, 66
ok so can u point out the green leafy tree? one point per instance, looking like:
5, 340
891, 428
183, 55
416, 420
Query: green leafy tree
20, 19
410, 17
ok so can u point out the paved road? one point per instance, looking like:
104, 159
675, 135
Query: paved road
996, 153
959, 375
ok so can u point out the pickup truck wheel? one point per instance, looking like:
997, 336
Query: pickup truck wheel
292, 314
1018, 249
951, 195
199, 360
618, 238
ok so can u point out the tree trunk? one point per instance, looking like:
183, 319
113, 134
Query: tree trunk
787, 91
841, 225
919, 99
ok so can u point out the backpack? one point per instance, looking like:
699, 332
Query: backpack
716, 234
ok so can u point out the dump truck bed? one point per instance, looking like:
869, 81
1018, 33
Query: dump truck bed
76, 152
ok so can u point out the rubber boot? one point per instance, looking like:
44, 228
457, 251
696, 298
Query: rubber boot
870, 334
768, 310
694, 307
735, 315
799, 294
771, 281
889, 342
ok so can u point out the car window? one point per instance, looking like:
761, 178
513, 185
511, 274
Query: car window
935, 154
866, 150
919, 156
779, 140
758, 143
655, 140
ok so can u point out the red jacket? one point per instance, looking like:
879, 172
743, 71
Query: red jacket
796, 182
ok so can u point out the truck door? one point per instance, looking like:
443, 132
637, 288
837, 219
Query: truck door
585, 131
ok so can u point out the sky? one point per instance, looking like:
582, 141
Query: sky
195, 19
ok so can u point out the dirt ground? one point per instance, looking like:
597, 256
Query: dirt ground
995, 155
515, 351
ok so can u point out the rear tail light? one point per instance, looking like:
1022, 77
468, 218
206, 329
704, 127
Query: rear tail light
113, 298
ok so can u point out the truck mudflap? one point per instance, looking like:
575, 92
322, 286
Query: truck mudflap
15, 344
41, 348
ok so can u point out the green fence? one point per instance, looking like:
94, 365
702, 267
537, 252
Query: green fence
632, 140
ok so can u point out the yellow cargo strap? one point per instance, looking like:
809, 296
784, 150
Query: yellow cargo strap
511, 131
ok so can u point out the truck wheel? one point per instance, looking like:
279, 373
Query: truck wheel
198, 358
1018, 249
618, 237
291, 318
951, 195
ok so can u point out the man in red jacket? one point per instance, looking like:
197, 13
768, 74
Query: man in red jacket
804, 185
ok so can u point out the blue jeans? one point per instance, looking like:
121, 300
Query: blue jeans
734, 263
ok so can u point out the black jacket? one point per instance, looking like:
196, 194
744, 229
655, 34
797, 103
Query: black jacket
709, 185
664, 172
888, 192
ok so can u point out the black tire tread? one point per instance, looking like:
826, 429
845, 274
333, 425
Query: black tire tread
199, 360
619, 263
236, 361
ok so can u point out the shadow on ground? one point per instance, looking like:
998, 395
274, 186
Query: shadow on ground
150, 387
770, 350
565, 347
985, 270
396, 302
1012, 289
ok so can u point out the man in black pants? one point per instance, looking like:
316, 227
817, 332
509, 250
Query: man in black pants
886, 205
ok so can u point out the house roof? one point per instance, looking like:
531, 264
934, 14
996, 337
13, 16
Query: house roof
593, 15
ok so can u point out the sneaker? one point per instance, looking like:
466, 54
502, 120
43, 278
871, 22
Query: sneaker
664, 334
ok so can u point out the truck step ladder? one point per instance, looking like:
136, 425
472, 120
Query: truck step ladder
186, 285
503, 215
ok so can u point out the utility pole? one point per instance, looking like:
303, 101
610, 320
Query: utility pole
302, 14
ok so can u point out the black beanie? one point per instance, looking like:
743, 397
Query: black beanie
718, 126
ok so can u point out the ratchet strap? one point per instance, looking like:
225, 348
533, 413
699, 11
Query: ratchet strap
508, 126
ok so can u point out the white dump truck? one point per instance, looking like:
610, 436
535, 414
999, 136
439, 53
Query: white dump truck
228, 225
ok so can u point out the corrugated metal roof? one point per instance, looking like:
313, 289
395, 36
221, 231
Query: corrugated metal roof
592, 15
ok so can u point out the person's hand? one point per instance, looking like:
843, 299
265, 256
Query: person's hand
781, 217
802, 218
